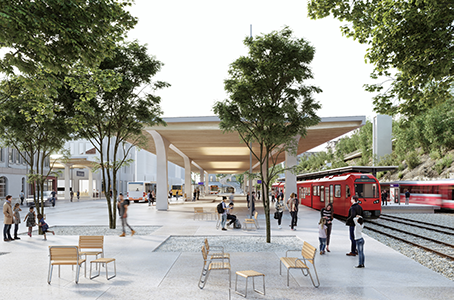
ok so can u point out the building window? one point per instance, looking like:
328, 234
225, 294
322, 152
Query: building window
11, 155
3, 189
23, 185
1, 155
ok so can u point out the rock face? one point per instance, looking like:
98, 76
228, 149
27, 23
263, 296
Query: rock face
426, 170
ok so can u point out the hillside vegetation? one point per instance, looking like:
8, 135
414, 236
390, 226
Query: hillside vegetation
423, 148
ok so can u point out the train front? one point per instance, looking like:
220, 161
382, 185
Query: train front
367, 188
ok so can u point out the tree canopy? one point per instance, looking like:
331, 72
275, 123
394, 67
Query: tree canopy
117, 116
414, 38
269, 104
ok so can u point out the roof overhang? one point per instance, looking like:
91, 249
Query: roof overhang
214, 151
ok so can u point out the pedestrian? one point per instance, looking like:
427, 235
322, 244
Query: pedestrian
271, 196
194, 194
253, 203
327, 213
322, 234
153, 197
22, 197
281, 194
30, 219
293, 209
149, 197
384, 198
123, 211
224, 214
53, 193
71, 195
231, 197
407, 197
198, 194
279, 211
78, 195
355, 210
258, 195
44, 226
16, 211
248, 200
359, 224
8, 219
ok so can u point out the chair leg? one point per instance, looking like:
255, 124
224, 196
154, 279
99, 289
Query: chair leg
318, 281
203, 278
288, 275
77, 273
49, 273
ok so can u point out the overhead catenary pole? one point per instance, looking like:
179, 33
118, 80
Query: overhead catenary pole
250, 163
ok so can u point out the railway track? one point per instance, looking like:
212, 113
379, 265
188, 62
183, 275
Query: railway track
433, 227
434, 245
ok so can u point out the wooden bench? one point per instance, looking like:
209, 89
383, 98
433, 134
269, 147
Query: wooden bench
64, 255
308, 256
252, 221
91, 245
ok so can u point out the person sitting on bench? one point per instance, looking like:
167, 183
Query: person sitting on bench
230, 217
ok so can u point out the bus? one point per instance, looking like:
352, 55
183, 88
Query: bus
138, 190
177, 188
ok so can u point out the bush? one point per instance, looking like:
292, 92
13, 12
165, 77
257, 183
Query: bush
445, 162
400, 175
435, 155
413, 160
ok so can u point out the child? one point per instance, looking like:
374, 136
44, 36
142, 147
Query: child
31, 220
44, 226
359, 239
16, 220
322, 234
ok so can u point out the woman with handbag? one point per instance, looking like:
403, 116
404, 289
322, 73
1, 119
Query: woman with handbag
279, 211
327, 214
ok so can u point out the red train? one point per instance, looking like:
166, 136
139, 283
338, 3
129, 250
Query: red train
337, 186
437, 192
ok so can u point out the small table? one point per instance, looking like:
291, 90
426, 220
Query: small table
103, 260
247, 274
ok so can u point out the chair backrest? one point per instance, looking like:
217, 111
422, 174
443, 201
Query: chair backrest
205, 255
91, 242
198, 209
308, 252
59, 253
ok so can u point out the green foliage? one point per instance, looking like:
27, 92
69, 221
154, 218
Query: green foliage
269, 104
445, 162
413, 37
400, 175
118, 116
435, 155
413, 160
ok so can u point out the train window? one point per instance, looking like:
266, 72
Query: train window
302, 195
322, 194
347, 191
318, 190
314, 192
366, 190
337, 190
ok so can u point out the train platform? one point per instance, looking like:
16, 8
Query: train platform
145, 272
411, 208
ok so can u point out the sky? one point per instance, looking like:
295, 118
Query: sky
197, 40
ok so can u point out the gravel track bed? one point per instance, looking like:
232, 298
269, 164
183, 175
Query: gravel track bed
411, 229
231, 243
97, 230
434, 262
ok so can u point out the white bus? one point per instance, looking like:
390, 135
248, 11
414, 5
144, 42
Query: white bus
138, 190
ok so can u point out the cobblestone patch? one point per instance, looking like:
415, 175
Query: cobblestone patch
231, 243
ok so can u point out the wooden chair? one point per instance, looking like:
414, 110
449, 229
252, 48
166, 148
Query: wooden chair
219, 254
209, 266
64, 255
91, 245
198, 211
308, 255
252, 221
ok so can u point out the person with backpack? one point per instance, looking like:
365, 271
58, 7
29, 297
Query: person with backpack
230, 216
292, 205
222, 210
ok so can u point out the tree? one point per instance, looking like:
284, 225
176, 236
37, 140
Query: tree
414, 37
268, 103
118, 116
50, 37
35, 136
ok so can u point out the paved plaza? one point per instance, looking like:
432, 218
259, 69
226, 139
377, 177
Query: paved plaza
146, 272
